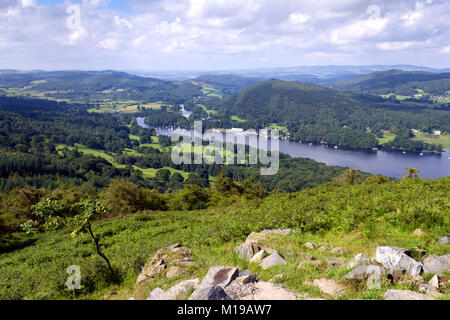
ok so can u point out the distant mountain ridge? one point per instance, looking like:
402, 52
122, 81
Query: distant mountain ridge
398, 82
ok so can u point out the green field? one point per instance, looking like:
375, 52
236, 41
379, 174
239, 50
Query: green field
125, 106
237, 119
209, 112
387, 137
147, 173
432, 139
275, 126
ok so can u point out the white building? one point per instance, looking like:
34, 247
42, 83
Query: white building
437, 132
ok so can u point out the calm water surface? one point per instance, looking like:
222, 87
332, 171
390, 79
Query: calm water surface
389, 164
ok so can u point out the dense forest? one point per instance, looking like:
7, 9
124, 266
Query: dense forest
399, 82
316, 114
46, 145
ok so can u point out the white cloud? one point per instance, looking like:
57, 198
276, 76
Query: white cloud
193, 33
108, 44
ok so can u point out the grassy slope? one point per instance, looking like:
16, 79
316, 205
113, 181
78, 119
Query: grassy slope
429, 138
147, 173
356, 217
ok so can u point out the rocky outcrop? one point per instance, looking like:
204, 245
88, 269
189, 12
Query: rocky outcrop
397, 260
405, 295
438, 265
168, 262
359, 260
247, 250
176, 292
213, 285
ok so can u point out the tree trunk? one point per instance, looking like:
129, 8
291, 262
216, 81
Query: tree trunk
99, 251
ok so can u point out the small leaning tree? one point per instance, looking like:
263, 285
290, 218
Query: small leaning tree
52, 215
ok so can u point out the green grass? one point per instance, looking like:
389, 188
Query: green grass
147, 173
359, 218
209, 112
432, 139
275, 126
237, 119
387, 137
155, 144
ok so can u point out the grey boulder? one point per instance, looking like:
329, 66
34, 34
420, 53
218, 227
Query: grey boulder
397, 260
444, 240
364, 272
405, 295
214, 283
359, 260
438, 266
272, 260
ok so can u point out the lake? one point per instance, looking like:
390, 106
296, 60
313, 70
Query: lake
389, 164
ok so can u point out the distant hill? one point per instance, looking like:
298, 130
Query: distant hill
78, 85
227, 83
313, 113
398, 82
313, 74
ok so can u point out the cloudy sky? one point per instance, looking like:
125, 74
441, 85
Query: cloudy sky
221, 34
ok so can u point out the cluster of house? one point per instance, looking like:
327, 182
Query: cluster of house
435, 132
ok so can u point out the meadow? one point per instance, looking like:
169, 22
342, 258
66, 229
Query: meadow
356, 217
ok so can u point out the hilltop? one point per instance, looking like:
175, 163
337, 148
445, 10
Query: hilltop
356, 218
405, 83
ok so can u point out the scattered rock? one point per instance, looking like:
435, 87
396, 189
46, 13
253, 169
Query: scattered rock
429, 290
434, 282
397, 260
272, 260
249, 278
335, 262
338, 251
176, 292
327, 286
364, 272
257, 258
405, 295
212, 286
246, 251
438, 266
324, 248
444, 240
428, 259
359, 260
309, 245
305, 256
315, 263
